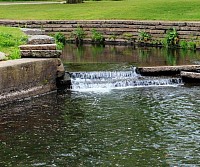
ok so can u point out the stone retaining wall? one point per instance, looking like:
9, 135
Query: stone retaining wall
27, 77
187, 30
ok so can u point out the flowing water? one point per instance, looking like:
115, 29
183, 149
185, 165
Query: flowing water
146, 126
108, 80
111, 117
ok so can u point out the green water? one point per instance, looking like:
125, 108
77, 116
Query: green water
128, 127
135, 127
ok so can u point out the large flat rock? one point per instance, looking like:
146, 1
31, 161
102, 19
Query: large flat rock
40, 39
166, 70
190, 77
41, 53
31, 31
38, 47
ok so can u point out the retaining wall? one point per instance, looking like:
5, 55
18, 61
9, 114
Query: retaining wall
187, 30
27, 77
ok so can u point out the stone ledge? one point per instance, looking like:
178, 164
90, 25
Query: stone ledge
190, 77
40, 39
27, 77
30, 31
38, 47
166, 70
41, 53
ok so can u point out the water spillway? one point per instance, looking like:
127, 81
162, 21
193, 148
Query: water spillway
107, 80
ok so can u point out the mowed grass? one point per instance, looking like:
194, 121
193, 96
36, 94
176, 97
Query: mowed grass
100, 10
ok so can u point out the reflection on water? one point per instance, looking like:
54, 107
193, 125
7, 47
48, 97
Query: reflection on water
139, 56
130, 127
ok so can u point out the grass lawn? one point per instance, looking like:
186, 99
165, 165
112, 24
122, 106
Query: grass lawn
10, 39
93, 10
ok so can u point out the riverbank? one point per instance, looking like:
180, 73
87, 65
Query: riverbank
117, 31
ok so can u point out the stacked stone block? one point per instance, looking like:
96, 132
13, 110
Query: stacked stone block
186, 30
39, 46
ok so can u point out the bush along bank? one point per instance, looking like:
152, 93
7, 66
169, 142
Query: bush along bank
115, 31
171, 39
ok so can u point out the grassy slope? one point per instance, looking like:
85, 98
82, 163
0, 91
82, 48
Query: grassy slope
92, 10
10, 39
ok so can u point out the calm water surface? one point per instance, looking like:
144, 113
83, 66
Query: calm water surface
137, 56
146, 126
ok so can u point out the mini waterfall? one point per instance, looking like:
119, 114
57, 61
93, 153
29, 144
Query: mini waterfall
106, 80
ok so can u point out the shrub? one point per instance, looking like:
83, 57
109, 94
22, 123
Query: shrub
171, 38
144, 36
60, 38
59, 45
97, 37
15, 54
128, 36
113, 37
156, 42
184, 44
79, 34
188, 45
7, 40
191, 45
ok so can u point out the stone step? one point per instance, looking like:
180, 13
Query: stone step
41, 53
38, 47
40, 39
30, 31
166, 70
190, 77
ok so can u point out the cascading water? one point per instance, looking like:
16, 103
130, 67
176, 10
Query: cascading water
107, 80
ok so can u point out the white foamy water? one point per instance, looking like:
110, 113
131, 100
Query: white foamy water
104, 81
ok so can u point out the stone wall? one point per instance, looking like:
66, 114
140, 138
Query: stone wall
187, 30
27, 77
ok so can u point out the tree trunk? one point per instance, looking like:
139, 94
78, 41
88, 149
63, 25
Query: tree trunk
74, 1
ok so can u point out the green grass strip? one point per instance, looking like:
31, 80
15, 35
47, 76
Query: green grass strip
10, 39
187, 10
